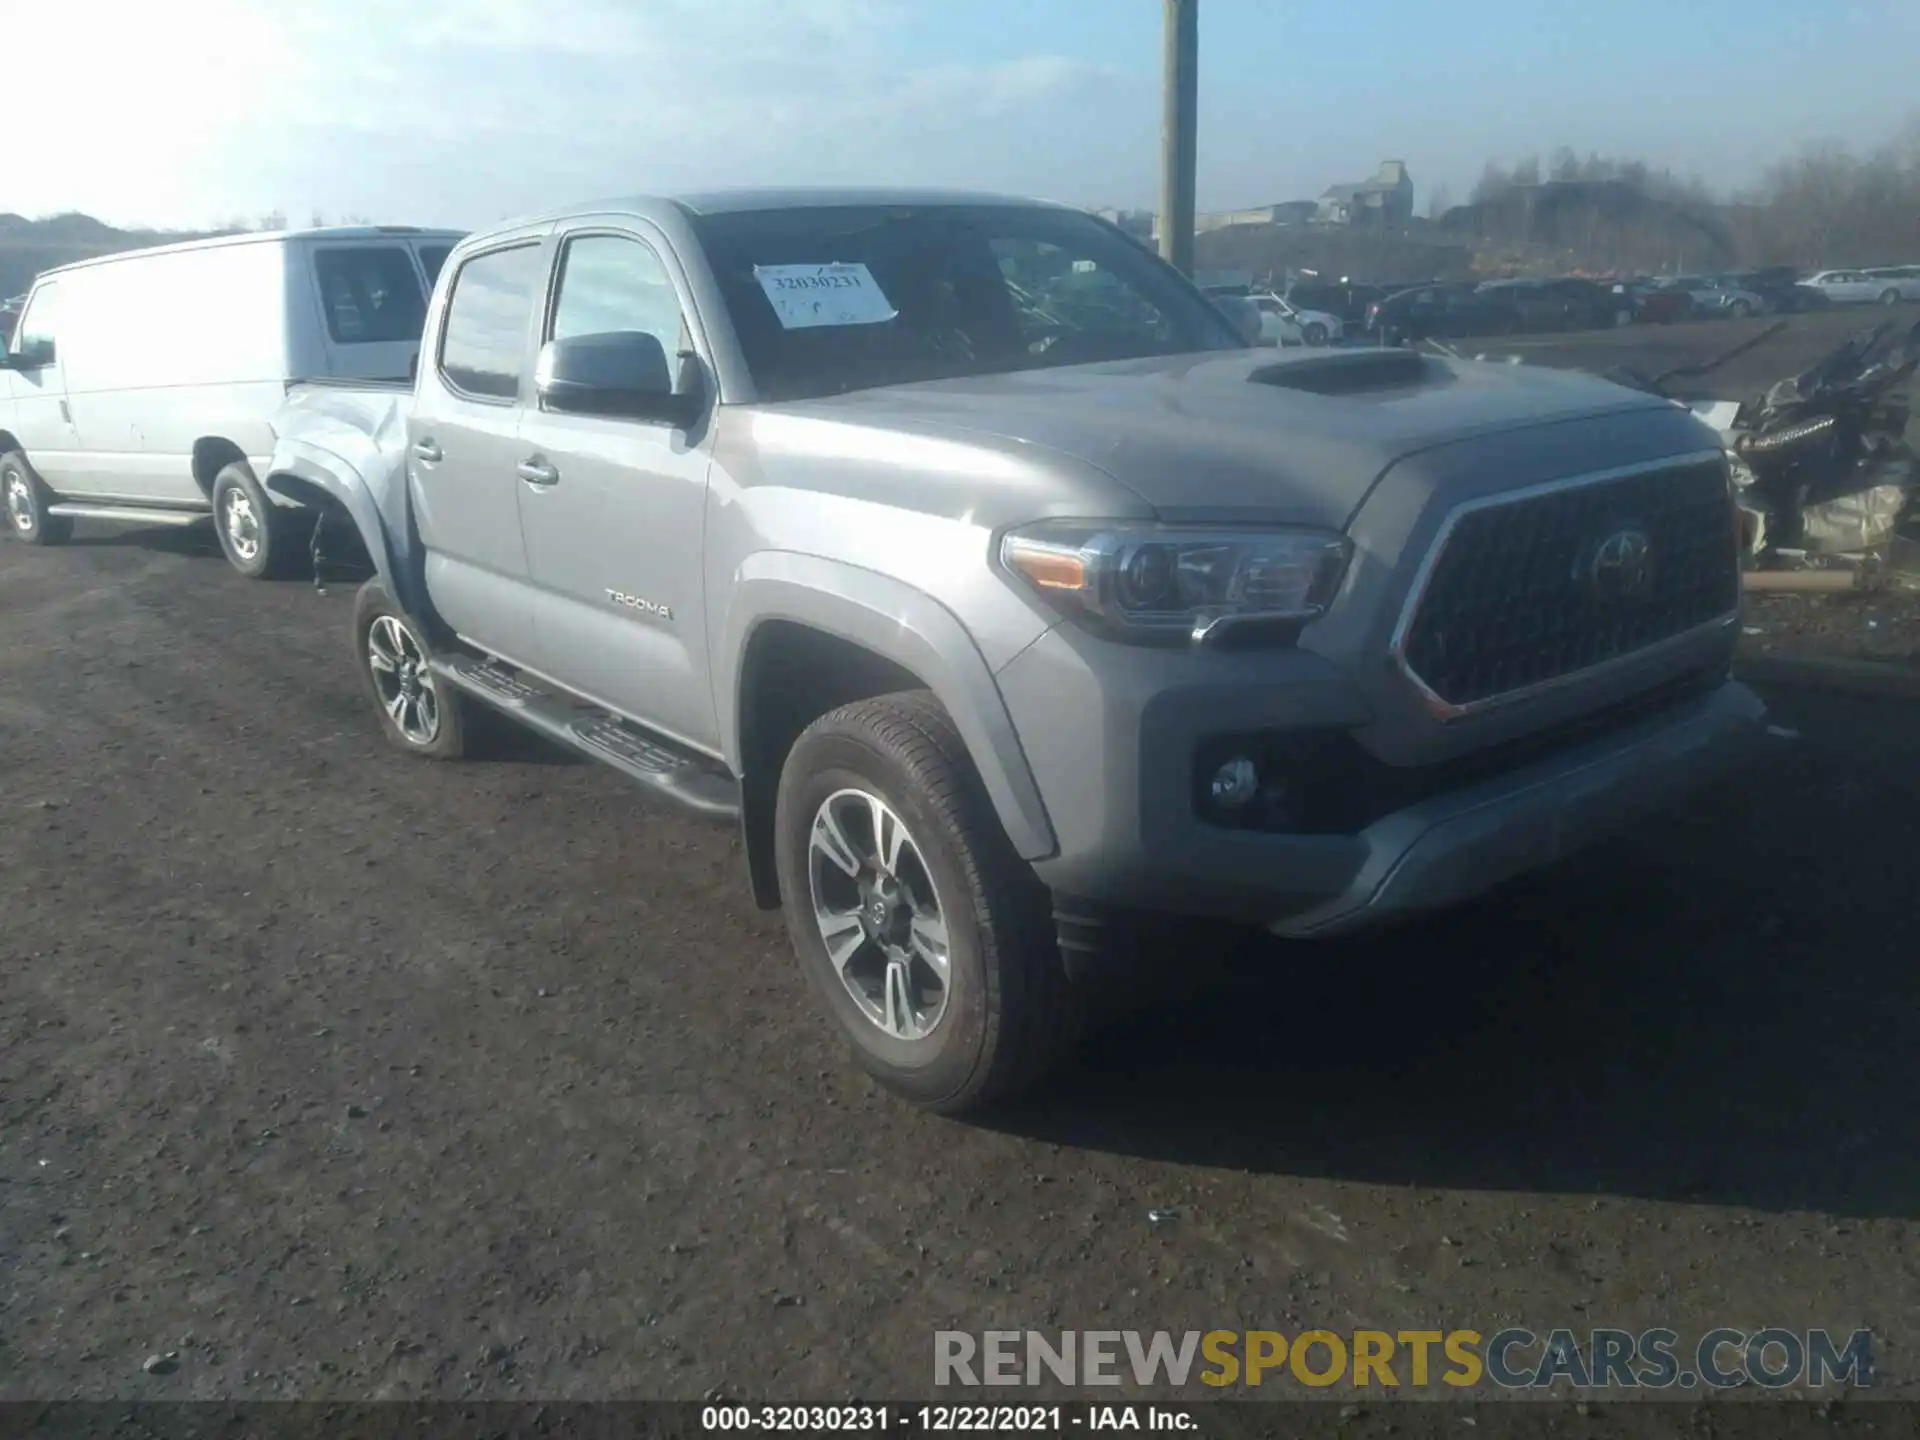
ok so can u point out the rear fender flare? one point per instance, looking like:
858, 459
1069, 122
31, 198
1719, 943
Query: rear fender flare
301, 472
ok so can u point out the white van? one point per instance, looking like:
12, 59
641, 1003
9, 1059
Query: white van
139, 386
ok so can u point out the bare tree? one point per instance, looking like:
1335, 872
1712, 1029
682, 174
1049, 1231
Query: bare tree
1824, 207
1493, 182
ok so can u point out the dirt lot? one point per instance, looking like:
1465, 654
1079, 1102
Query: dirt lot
325, 1072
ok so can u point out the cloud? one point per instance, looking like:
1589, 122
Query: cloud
450, 110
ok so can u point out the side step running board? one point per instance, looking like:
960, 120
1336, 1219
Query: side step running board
139, 515
668, 769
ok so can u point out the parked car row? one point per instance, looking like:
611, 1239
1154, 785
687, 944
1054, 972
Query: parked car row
1457, 309
1887, 285
1270, 319
1497, 307
957, 550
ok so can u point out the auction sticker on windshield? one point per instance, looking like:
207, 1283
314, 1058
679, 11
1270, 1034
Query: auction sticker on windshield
804, 296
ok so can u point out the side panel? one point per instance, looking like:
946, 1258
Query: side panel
464, 442
169, 349
615, 538
893, 620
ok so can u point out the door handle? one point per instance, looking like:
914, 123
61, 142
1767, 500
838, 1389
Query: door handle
65, 413
538, 472
428, 451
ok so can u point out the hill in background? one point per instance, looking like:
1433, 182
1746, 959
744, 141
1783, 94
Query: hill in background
29, 246
1606, 225
1334, 251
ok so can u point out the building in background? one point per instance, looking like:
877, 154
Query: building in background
1288, 212
1386, 199
1137, 223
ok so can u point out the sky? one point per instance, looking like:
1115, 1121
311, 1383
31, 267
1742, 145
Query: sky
464, 112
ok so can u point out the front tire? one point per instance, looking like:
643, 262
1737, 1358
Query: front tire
27, 501
419, 712
1740, 309
925, 935
1315, 334
1890, 297
260, 539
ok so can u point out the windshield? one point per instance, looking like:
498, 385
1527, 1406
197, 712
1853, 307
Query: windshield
831, 299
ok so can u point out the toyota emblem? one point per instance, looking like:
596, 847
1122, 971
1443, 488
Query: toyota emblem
1622, 567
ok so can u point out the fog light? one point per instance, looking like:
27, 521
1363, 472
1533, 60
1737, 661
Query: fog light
1235, 783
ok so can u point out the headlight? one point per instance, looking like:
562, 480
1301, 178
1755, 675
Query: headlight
1158, 582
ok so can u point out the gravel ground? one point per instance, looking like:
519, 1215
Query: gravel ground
327, 1073
1872, 625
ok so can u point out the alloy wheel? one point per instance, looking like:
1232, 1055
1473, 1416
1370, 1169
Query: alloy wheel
404, 680
241, 524
19, 503
879, 914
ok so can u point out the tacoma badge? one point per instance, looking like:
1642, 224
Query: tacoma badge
647, 607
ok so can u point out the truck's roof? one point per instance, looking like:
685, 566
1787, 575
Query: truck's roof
724, 202
256, 237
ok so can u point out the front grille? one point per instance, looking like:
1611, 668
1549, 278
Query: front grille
1521, 592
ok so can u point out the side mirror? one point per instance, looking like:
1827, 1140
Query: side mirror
621, 374
37, 356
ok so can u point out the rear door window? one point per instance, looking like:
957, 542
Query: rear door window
432, 258
371, 294
483, 346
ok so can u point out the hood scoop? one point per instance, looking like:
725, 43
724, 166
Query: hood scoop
1350, 372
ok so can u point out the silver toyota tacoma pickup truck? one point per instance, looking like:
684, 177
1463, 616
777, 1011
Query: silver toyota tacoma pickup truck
967, 557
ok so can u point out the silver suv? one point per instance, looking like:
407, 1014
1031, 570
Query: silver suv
965, 556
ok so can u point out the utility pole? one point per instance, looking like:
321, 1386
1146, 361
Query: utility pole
1179, 132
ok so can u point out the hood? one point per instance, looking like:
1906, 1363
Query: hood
1250, 435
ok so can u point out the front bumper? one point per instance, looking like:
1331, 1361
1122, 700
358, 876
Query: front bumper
1112, 748
1437, 854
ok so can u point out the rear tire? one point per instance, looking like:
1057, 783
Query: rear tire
945, 976
1891, 297
260, 539
1740, 309
420, 713
27, 500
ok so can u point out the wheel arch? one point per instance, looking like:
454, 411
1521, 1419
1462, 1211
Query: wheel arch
211, 455
312, 478
804, 635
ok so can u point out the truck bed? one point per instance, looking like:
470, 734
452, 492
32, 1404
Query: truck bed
346, 417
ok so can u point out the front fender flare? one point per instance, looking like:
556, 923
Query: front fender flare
907, 627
